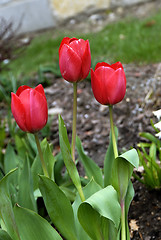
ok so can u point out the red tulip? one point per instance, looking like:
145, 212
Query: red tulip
108, 83
29, 108
74, 59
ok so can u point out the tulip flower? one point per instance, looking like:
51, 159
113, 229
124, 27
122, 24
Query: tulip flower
108, 83
29, 108
74, 59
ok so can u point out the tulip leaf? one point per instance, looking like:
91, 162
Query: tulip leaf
59, 164
70, 194
91, 168
25, 192
124, 168
36, 169
66, 153
6, 210
32, 142
91, 188
103, 211
4, 235
49, 159
109, 161
132, 157
31, 226
59, 208
23, 147
11, 161
128, 200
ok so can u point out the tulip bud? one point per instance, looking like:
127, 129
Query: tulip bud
29, 108
74, 59
108, 83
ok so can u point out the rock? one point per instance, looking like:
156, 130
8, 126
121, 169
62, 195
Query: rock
55, 111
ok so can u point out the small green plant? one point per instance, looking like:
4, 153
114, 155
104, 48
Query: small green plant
149, 152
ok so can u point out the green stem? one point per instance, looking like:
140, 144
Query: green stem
41, 156
74, 120
81, 194
122, 204
113, 132
123, 222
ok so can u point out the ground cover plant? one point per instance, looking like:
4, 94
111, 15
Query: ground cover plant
150, 158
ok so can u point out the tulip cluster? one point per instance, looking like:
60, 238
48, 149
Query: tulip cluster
108, 81
29, 108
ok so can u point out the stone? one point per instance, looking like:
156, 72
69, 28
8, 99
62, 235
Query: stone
69, 8
55, 111
115, 3
30, 15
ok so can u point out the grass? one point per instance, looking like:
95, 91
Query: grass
129, 40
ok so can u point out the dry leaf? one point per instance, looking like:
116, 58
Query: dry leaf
133, 227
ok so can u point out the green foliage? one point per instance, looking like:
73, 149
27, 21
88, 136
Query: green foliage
9, 83
70, 206
91, 188
109, 161
4, 235
150, 158
42, 51
118, 191
66, 153
130, 40
25, 194
59, 208
91, 168
103, 211
33, 227
2, 145
6, 210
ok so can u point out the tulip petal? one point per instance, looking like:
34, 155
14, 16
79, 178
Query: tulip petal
116, 86
104, 72
102, 85
38, 110
86, 60
79, 47
117, 65
98, 88
18, 111
40, 89
64, 41
102, 64
21, 89
70, 64
25, 100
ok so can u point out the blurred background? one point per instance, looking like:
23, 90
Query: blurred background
128, 30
